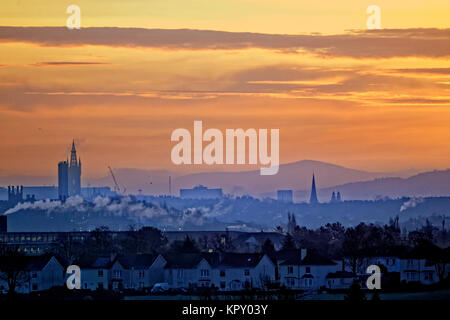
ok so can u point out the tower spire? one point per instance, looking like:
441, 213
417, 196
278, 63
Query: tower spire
73, 155
313, 198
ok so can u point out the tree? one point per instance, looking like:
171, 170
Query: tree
352, 247
288, 243
268, 247
13, 264
186, 246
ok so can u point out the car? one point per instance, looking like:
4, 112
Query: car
160, 287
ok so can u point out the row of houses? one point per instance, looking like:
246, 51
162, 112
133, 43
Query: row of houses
294, 269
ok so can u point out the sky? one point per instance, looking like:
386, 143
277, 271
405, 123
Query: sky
375, 100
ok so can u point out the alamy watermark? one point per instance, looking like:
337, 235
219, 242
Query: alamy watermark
374, 20
216, 153
74, 278
74, 20
374, 280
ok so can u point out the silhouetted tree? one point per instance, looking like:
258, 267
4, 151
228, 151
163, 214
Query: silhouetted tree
13, 266
268, 247
288, 243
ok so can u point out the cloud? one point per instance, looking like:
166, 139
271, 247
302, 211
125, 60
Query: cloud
436, 71
357, 44
67, 63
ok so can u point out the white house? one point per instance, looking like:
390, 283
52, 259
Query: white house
237, 271
227, 272
40, 273
131, 271
97, 275
424, 264
189, 270
306, 273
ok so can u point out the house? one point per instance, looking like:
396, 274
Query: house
187, 270
39, 273
306, 272
129, 271
425, 263
96, 275
238, 271
339, 280
227, 271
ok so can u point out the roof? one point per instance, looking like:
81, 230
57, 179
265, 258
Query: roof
243, 260
425, 251
29, 263
286, 254
128, 261
311, 259
102, 263
137, 261
189, 260
37, 263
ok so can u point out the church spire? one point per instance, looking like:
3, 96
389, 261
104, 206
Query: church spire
313, 198
73, 155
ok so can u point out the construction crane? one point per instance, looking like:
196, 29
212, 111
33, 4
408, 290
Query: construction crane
116, 188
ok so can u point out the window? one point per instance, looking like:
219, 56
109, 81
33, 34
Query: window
180, 273
204, 273
290, 270
117, 273
100, 273
246, 272
308, 269
429, 276
34, 275
100, 285
291, 282
222, 285
222, 273
34, 287
410, 276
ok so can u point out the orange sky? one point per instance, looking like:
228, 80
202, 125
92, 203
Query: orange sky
371, 100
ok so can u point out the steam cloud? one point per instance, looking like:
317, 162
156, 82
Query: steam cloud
411, 203
124, 207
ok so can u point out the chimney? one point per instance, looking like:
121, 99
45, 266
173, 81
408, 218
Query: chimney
303, 253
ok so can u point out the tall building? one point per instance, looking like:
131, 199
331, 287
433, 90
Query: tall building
63, 180
74, 173
69, 176
313, 198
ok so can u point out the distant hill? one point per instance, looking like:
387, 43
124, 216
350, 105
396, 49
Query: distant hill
427, 184
294, 176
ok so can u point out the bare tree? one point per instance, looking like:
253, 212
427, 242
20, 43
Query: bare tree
13, 266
